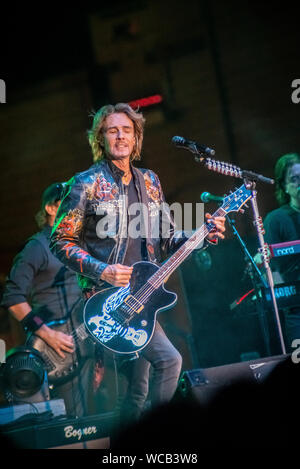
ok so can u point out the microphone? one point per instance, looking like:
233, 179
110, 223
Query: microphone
207, 197
194, 147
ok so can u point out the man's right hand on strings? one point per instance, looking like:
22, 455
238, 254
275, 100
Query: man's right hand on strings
117, 274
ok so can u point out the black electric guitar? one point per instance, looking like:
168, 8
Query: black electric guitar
61, 369
123, 319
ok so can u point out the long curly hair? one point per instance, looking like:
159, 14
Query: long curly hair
281, 168
95, 134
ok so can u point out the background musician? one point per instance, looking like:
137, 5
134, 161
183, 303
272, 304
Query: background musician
40, 289
282, 225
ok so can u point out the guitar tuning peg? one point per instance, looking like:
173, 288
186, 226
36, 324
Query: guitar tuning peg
241, 210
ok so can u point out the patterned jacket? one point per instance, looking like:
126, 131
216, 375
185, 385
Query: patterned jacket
96, 193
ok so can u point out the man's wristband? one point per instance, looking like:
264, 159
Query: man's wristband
32, 322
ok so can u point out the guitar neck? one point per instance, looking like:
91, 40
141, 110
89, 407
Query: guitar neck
183, 252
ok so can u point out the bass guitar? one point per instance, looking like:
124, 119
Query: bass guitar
61, 369
123, 319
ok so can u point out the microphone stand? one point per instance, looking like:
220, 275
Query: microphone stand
247, 253
250, 178
262, 317
266, 259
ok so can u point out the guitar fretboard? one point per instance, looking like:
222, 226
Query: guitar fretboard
183, 252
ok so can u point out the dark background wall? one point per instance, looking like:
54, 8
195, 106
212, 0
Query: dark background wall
224, 70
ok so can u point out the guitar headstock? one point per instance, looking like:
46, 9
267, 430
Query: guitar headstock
234, 202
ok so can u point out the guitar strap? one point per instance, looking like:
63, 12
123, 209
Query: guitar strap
145, 214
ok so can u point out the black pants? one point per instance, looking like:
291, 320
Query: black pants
166, 364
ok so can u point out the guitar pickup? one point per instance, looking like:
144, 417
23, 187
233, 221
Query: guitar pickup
134, 304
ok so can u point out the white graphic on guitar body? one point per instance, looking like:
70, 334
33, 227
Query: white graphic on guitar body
107, 328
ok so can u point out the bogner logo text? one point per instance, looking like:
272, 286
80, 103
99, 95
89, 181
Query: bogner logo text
78, 433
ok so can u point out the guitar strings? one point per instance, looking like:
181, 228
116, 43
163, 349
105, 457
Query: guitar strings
144, 293
75, 335
203, 231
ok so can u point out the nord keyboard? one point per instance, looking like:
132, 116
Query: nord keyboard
285, 249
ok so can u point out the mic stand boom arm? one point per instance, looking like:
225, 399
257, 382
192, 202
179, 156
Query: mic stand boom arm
230, 169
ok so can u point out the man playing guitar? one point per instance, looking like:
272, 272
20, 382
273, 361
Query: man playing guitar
104, 259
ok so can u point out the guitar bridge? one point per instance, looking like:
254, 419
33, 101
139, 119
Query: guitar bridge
134, 304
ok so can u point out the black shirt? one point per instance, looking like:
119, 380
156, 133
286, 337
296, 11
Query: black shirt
134, 244
39, 278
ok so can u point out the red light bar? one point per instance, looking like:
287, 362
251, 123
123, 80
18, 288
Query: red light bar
145, 102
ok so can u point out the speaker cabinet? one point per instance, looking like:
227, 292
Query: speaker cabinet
203, 384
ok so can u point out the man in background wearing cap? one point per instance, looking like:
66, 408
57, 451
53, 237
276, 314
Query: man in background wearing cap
40, 289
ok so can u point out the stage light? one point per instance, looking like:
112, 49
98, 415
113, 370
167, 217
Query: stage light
146, 102
23, 376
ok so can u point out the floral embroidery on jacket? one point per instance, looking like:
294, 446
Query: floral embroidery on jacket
152, 189
71, 224
101, 189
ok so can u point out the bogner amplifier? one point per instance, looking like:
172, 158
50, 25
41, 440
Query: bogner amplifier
87, 432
